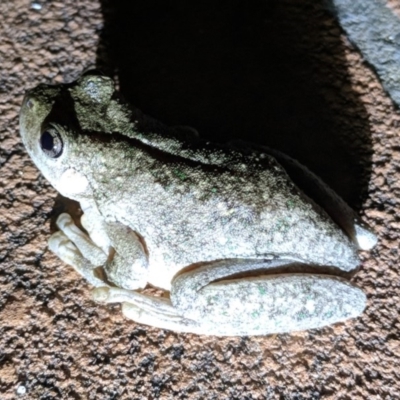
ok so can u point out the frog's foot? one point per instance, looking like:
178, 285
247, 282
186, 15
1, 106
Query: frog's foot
225, 304
126, 265
110, 245
75, 248
148, 310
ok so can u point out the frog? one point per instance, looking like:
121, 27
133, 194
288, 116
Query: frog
222, 230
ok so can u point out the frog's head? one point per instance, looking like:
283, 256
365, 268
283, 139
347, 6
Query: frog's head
56, 121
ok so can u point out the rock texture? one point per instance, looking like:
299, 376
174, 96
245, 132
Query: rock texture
55, 343
375, 30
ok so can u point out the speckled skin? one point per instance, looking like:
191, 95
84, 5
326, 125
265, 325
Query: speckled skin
164, 201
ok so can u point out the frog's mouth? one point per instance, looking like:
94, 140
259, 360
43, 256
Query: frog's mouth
73, 183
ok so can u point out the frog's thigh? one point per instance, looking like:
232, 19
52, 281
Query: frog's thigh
264, 304
127, 265
148, 310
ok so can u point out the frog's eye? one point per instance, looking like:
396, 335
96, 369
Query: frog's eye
51, 142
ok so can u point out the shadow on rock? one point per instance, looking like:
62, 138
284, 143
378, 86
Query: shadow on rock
273, 73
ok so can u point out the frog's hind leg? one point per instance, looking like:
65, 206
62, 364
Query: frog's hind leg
147, 310
218, 298
226, 302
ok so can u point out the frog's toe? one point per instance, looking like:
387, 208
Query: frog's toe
62, 246
160, 319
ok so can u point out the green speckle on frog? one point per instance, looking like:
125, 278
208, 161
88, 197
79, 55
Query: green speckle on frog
201, 221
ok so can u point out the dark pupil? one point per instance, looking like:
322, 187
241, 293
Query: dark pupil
51, 143
47, 141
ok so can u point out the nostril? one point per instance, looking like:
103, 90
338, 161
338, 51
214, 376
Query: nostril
29, 103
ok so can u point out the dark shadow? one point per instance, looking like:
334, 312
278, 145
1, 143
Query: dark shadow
272, 72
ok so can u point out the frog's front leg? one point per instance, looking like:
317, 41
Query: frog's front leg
205, 300
110, 245
76, 248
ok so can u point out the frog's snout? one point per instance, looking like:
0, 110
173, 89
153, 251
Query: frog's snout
28, 101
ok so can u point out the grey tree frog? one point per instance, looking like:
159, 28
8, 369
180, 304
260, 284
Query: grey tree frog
236, 246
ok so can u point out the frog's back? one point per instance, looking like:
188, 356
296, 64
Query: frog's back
189, 212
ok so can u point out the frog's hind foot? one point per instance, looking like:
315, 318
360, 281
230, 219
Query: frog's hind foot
147, 310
